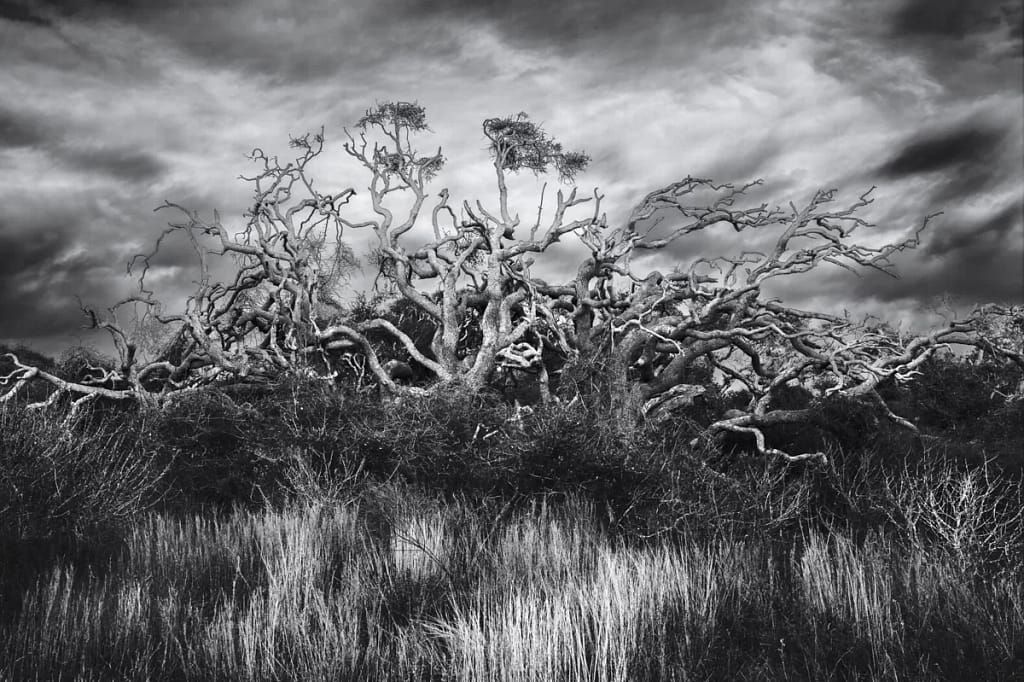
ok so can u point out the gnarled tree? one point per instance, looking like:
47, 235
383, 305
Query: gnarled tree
286, 259
713, 311
473, 276
467, 271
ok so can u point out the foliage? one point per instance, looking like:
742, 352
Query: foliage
32, 392
518, 143
84, 364
967, 399
72, 479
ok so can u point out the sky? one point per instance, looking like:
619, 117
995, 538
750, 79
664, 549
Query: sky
110, 107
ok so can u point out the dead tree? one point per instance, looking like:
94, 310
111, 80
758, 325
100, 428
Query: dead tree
286, 257
713, 310
466, 271
476, 268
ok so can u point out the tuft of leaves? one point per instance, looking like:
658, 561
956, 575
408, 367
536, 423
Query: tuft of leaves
408, 115
518, 143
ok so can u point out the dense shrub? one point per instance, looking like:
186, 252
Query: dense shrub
234, 447
84, 364
964, 399
72, 478
259, 445
34, 391
482, 446
208, 446
308, 436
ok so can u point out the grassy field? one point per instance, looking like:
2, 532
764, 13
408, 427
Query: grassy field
401, 588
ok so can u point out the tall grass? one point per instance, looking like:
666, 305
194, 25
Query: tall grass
401, 587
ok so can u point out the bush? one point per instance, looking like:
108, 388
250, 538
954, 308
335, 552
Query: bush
84, 364
72, 479
973, 514
966, 400
254, 446
35, 390
219, 452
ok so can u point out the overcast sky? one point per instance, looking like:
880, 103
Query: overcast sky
109, 107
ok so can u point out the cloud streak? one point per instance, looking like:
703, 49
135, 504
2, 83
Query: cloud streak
948, 150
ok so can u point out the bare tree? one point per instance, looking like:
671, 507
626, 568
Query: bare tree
473, 276
468, 275
286, 259
712, 312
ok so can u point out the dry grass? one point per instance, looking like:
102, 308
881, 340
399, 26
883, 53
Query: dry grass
405, 588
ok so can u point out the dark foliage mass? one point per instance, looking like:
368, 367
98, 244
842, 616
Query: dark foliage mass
253, 446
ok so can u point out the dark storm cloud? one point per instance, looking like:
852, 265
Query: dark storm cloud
27, 250
51, 135
42, 11
963, 161
121, 164
955, 19
18, 130
21, 13
40, 15
64, 252
991, 231
311, 40
293, 41
983, 275
44, 278
969, 47
974, 260
567, 22
966, 146
966, 48
613, 32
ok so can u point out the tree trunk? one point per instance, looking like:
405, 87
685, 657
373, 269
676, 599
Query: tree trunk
625, 397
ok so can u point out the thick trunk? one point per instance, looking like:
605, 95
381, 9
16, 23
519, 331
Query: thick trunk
625, 396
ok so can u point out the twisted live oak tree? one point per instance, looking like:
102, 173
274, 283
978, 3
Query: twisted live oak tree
469, 274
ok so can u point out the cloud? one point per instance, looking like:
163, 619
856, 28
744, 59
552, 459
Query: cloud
64, 252
321, 39
17, 130
125, 165
964, 162
975, 259
281, 43
619, 30
45, 274
968, 46
945, 150
50, 135
989, 234
22, 13
960, 163
954, 19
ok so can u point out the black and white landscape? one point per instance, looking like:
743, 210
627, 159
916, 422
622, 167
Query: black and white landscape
480, 341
